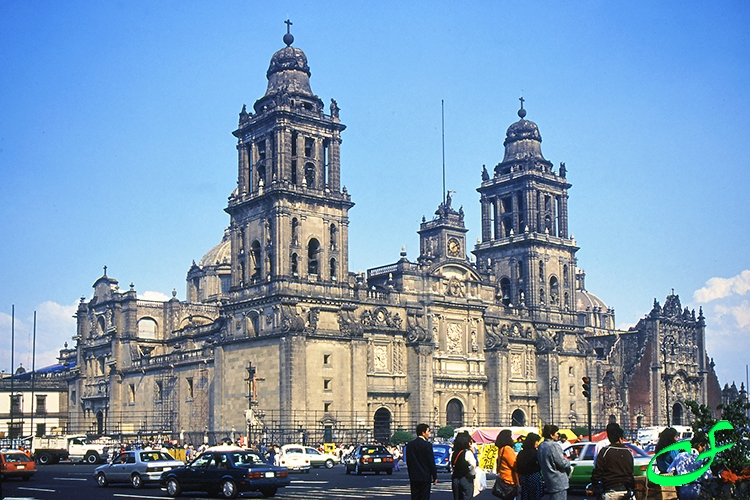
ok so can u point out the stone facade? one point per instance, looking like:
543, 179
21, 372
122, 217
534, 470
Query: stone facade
279, 339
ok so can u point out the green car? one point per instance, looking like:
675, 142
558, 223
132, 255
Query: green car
581, 456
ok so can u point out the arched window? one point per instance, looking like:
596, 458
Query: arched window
312, 256
505, 291
520, 269
147, 328
381, 429
541, 270
518, 418
521, 296
333, 269
255, 259
553, 290
541, 296
567, 301
310, 175
565, 275
454, 413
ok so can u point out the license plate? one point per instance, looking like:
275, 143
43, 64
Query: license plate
269, 474
376, 460
20, 467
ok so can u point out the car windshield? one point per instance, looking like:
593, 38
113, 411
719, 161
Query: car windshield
247, 458
16, 457
150, 456
372, 450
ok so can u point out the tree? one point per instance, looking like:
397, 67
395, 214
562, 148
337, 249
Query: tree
401, 437
445, 432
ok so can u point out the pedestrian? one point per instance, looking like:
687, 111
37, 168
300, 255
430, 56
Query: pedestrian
555, 467
506, 464
613, 472
528, 469
463, 464
668, 436
518, 445
687, 462
420, 463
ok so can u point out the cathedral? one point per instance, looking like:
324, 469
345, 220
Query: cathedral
278, 340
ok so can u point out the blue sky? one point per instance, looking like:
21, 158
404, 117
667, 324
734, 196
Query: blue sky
116, 145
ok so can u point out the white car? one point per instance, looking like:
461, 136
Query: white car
320, 459
293, 457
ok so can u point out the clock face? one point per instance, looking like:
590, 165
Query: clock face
454, 247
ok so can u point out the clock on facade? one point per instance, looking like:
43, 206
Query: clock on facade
454, 247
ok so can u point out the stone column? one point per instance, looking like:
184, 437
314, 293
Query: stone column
486, 219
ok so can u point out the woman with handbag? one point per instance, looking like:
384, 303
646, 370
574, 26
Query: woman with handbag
529, 471
506, 484
464, 465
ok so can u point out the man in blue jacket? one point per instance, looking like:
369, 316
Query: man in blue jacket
421, 464
555, 467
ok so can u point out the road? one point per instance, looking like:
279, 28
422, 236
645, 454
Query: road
76, 482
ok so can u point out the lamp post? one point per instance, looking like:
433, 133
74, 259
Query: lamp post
667, 350
554, 387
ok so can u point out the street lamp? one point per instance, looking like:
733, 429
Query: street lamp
667, 350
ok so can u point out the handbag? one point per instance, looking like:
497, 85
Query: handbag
501, 489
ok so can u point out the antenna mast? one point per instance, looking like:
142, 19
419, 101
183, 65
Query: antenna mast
442, 111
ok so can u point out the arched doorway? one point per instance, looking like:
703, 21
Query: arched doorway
518, 418
454, 413
677, 414
99, 422
381, 429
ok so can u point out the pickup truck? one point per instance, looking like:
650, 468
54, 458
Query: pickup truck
52, 449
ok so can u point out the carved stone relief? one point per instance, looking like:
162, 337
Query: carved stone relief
454, 338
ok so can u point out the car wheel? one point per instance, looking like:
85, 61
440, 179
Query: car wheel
44, 458
173, 487
91, 458
229, 489
329, 464
269, 491
137, 481
101, 480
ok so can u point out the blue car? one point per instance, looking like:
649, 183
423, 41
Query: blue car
442, 454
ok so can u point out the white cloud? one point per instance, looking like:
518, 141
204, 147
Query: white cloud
55, 325
740, 313
154, 296
719, 288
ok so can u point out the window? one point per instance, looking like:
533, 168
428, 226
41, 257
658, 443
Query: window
255, 257
147, 328
327, 384
553, 290
505, 290
41, 429
295, 138
309, 147
15, 403
327, 407
159, 390
294, 172
334, 235
312, 256
189, 389
295, 265
295, 231
541, 270
132, 393
326, 359
73, 396
41, 404
310, 175
333, 269
571, 372
572, 390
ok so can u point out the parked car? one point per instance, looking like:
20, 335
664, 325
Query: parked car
442, 454
319, 459
16, 463
137, 467
293, 457
581, 456
226, 471
371, 457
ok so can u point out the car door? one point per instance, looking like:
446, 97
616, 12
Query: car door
115, 473
194, 477
316, 458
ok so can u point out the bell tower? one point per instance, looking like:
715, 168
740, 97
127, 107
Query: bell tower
289, 214
525, 241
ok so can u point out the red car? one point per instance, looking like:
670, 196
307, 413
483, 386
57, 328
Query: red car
15, 463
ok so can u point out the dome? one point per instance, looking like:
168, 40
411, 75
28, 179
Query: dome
220, 254
586, 300
523, 140
288, 72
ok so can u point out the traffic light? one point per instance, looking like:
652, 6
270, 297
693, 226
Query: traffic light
587, 387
